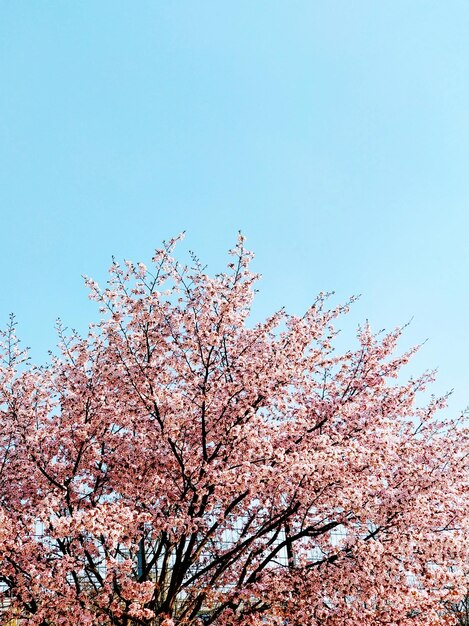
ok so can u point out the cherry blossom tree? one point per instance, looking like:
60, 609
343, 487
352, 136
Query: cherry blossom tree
460, 610
181, 465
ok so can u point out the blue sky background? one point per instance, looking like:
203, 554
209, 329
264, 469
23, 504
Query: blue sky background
334, 134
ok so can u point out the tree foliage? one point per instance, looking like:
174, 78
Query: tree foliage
180, 463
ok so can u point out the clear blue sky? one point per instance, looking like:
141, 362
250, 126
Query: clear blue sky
334, 134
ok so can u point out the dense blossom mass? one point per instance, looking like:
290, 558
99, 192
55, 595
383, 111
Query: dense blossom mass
180, 466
